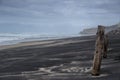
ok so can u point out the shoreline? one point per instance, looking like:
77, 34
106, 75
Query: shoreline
36, 42
19, 39
59, 59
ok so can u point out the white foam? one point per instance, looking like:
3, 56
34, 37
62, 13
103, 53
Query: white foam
13, 38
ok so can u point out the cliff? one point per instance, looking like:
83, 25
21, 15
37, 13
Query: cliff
92, 31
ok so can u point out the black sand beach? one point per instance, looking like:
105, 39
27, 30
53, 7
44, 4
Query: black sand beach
60, 59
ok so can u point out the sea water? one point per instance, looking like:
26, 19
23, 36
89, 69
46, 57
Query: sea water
13, 38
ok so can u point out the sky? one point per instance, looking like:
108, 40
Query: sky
56, 16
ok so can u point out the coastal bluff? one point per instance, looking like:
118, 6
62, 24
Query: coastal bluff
108, 29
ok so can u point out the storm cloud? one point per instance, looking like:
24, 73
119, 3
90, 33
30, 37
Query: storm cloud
56, 16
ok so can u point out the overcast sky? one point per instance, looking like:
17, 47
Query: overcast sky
56, 16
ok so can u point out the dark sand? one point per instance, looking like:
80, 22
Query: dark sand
62, 59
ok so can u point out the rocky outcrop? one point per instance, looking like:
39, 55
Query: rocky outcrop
114, 32
92, 31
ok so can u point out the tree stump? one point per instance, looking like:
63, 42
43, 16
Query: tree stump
99, 50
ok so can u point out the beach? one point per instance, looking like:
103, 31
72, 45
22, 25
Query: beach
58, 59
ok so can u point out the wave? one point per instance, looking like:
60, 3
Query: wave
10, 38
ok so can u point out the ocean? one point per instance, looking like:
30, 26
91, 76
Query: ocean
13, 38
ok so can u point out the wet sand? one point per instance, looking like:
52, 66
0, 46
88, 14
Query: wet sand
59, 59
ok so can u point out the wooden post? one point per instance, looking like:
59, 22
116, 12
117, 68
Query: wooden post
99, 50
105, 46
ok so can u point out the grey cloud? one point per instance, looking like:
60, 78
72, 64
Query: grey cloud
64, 7
55, 13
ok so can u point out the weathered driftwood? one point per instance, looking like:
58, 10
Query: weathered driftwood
99, 50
